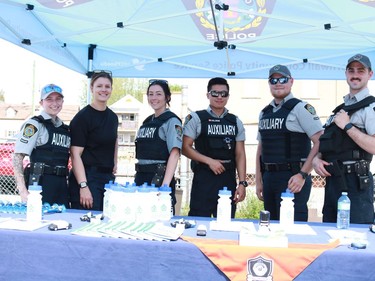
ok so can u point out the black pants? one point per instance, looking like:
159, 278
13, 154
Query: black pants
54, 189
96, 181
205, 191
142, 177
361, 201
275, 183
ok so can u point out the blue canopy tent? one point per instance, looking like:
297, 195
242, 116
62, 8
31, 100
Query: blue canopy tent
194, 38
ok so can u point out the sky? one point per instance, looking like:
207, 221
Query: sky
21, 71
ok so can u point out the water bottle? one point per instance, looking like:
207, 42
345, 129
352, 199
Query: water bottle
165, 203
287, 209
224, 206
34, 203
343, 211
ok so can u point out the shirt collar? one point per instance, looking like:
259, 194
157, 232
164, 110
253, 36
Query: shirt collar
349, 98
214, 114
288, 97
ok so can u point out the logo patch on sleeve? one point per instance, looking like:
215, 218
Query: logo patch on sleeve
29, 131
178, 130
187, 119
310, 109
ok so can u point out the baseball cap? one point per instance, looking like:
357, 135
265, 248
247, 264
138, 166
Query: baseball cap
280, 69
365, 61
49, 89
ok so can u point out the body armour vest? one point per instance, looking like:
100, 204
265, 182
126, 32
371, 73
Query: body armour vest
56, 151
279, 145
148, 144
218, 136
335, 144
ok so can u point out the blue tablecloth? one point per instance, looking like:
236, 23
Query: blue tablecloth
49, 255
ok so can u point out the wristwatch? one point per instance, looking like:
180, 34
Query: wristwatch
244, 183
83, 184
303, 174
348, 127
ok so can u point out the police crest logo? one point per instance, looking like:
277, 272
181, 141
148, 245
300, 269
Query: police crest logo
187, 119
29, 131
259, 269
310, 109
178, 130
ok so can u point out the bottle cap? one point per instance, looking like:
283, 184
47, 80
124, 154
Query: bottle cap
225, 191
287, 194
35, 187
165, 188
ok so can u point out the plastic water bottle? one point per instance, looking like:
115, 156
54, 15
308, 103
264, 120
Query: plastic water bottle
34, 203
224, 206
107, 198
287, 209
165, 203
343, 211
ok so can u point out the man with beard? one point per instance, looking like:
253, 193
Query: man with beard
287, 126
347, 146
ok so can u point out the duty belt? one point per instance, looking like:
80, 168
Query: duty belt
148, 168
347, 168
50, 170
279, 167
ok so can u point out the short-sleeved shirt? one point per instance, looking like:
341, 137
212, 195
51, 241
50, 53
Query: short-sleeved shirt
96, 132
301, 119
33, 134
193, 125
171, 133
365, 117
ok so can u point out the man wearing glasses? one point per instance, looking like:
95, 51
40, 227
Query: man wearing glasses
46, 139
287, 126
214, 140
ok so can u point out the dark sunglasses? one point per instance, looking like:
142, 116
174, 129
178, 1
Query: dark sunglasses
152, 81
97, 72
216, 94
281, 80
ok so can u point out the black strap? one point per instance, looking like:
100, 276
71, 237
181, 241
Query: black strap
355, 107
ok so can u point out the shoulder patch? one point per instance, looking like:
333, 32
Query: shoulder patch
29, 131
187, 119
310, 109
178, 130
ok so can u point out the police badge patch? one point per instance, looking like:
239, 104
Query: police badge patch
178, 130
29, 131
310, 109
187, 119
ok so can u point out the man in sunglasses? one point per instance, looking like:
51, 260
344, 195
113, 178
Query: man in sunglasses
46, 139
347, 147
214, 141
287, 126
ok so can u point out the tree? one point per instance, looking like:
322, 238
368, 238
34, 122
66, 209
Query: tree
135, 87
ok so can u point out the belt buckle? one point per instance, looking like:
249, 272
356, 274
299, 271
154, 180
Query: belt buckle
60, 170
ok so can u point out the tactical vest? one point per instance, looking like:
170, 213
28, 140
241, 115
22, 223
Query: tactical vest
56, 151
148, 144
335, 144
218, 136
279, 145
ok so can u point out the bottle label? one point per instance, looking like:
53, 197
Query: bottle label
343, 206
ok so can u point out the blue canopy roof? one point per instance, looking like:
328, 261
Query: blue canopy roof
194, 39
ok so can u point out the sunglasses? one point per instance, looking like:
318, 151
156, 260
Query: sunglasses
52, 89
153, 81
281, 80
216, 94
98, 72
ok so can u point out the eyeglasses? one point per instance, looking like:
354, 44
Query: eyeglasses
153, 81
216, 94
98, 72
281, 80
